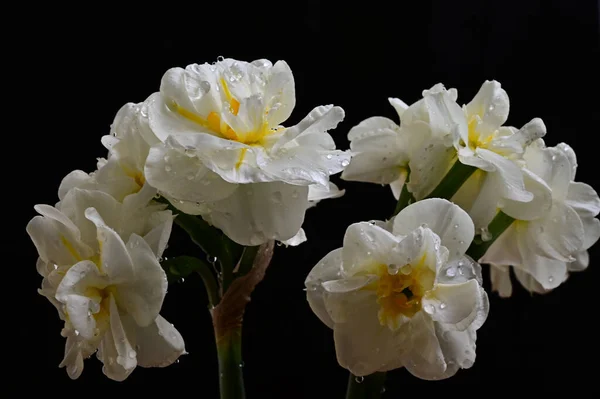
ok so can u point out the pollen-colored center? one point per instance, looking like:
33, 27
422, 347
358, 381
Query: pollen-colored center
214, 122
400, 293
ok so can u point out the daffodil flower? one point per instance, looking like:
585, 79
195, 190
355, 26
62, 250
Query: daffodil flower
122, 172
408, 297
99, 259
547, 242
223, 153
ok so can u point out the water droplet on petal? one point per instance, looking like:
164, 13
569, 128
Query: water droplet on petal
168, 168
220, 58
456, 226
550, 279
204, 86
76, 332
443, 305
329, 156
295, 194
429, 308
359, 380
451, 272
345, 163
406, 270
132, 354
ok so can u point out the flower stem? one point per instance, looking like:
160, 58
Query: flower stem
231, 377
368, 387
454, 179
479, 247
405, 196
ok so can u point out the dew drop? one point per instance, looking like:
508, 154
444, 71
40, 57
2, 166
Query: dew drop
295, 194
456, 226
429, 308
406, 270
345, 163
359, 380
485, 234
451, 272
211, 259
241, 364
168, 168
550, 279
204, 86
76, 332
329, 156
443, 305
132, 354
554, 157
437, 246
182, 280
220, 58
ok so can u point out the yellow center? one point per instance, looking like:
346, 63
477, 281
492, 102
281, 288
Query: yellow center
475, 140
214, 122
400, 294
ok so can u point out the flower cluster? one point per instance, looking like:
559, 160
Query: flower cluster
209, 151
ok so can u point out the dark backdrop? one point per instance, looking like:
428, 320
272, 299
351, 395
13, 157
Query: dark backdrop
79, 72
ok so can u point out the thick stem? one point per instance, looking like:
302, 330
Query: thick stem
231, 377
368, 387
454, 179
228, 318
479, 247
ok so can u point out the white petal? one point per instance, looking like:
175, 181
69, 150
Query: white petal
159, 344
328, 268
458, 305
158, 237
183, 177
143, 296
114, 257
448, 221
425, 359
581, 262
362, 135
317, 193
445, 115
428, 164
296, 240
280, 87
117, 354
76, 178
399, 105
584, 199
397, 186
558, 235
319, 120
458, 348
513, 186
500, 277
74, 292
362, 344
549, 273
505, 249
591, 231
55, 242
485, 206
73, 358
256, 213
540, 205
529, 282
570, 153
491, 104
366, 244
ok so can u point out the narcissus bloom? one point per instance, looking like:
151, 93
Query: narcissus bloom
403, 298
99, 259
546, 242
122, 172
224, 154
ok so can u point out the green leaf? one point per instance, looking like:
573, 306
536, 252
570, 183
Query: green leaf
454, 179
182, 266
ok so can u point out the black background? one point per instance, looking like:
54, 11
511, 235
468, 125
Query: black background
80, 64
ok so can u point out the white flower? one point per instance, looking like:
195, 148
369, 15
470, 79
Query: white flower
122, 173
547, 242
224, 155
406, 298
99, 260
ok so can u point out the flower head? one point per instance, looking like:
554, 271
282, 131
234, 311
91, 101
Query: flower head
223, 153
99, 259
551, 236
408, 297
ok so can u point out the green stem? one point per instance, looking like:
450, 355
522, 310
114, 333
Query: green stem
405, 196
368, 387
479, 246
454, 179
231, 377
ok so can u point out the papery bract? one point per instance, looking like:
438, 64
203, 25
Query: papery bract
223, 153
408, 297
